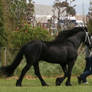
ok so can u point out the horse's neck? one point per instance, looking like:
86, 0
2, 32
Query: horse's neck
77, 39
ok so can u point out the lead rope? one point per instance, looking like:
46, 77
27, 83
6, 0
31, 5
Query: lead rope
87, 36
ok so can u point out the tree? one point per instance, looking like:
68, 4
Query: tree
17, 10
63, 9
2, 31
8, 25
70, 10
60, 7
89, 24
30, 12
14, 16
28, 33
21, 11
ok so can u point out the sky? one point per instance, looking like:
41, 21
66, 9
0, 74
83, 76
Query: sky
82, 6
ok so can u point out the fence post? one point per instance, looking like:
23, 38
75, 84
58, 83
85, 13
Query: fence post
3, 56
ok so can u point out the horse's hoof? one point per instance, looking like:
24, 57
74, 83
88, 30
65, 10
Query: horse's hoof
68, 84
79, 80
59, 81
18, 84
45, 85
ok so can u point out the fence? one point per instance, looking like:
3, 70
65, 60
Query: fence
7, 55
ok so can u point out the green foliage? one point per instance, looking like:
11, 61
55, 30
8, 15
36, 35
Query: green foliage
27, 33
71, 11
90, 25
2, 32
79, 65
17, 9
46, 69
20, 11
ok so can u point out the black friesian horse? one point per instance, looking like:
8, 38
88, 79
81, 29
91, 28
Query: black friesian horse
62, 50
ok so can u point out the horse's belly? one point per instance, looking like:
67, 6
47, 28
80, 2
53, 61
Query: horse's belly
55, 59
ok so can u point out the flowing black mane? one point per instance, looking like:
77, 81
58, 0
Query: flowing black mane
63, 35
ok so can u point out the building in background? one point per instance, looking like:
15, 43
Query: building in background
42, 13
45, 12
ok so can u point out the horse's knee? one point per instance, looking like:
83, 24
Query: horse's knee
66, 75
36, 73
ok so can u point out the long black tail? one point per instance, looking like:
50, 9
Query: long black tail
9, 70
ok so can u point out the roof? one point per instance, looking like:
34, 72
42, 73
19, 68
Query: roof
43, 12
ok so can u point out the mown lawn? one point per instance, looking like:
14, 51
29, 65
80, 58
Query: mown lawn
33, 85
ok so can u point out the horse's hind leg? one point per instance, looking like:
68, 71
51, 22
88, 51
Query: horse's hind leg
25, 69
70, 66
37, 72
61, 79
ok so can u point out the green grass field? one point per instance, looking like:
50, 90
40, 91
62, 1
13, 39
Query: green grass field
33, 85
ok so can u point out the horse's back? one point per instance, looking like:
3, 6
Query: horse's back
33, 48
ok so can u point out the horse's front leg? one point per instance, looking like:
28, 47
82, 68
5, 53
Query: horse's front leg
70, 66
37, 72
